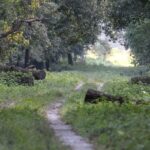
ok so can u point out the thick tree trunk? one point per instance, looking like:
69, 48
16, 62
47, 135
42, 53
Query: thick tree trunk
70, 59
27, 58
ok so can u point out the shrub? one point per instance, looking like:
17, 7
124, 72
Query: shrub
13, 78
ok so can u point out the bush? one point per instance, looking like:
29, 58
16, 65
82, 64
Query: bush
13, 78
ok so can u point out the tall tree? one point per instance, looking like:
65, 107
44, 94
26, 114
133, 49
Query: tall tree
133, 18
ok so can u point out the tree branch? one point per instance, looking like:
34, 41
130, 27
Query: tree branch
16, 25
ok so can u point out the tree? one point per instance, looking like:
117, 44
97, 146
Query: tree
13, 16
78, 24
138, 38
48, 30
131, 17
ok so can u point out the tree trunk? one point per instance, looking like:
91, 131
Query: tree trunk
18, 60
10, 60
70, 59
75, 57
47, 64
27, 57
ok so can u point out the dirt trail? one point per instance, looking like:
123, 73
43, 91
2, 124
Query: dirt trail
63, 131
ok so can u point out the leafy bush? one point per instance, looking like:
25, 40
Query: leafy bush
13, 78
129, 91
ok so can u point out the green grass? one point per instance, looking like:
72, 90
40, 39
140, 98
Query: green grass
116, 127
108, 73
24, 129
131, 92
23, 126
125, 127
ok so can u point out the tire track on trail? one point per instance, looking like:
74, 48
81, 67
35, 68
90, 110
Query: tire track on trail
63, 131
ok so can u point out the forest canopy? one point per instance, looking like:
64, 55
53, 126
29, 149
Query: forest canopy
43, 32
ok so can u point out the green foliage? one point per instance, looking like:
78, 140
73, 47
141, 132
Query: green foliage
119, 14
130, 91
138, 38
50, 30
13, 78
131, 17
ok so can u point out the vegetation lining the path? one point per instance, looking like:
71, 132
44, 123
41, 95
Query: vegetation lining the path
24, 129
116, 127
23, 125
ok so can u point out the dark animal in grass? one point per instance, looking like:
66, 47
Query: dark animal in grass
94, 96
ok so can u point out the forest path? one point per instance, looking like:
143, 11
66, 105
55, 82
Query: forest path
63, 131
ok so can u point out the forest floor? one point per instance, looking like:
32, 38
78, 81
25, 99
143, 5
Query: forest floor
23, 124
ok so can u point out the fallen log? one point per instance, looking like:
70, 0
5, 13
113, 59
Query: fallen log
93, 96
37, 74
140, 79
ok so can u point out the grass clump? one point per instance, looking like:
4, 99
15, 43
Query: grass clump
24, 129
